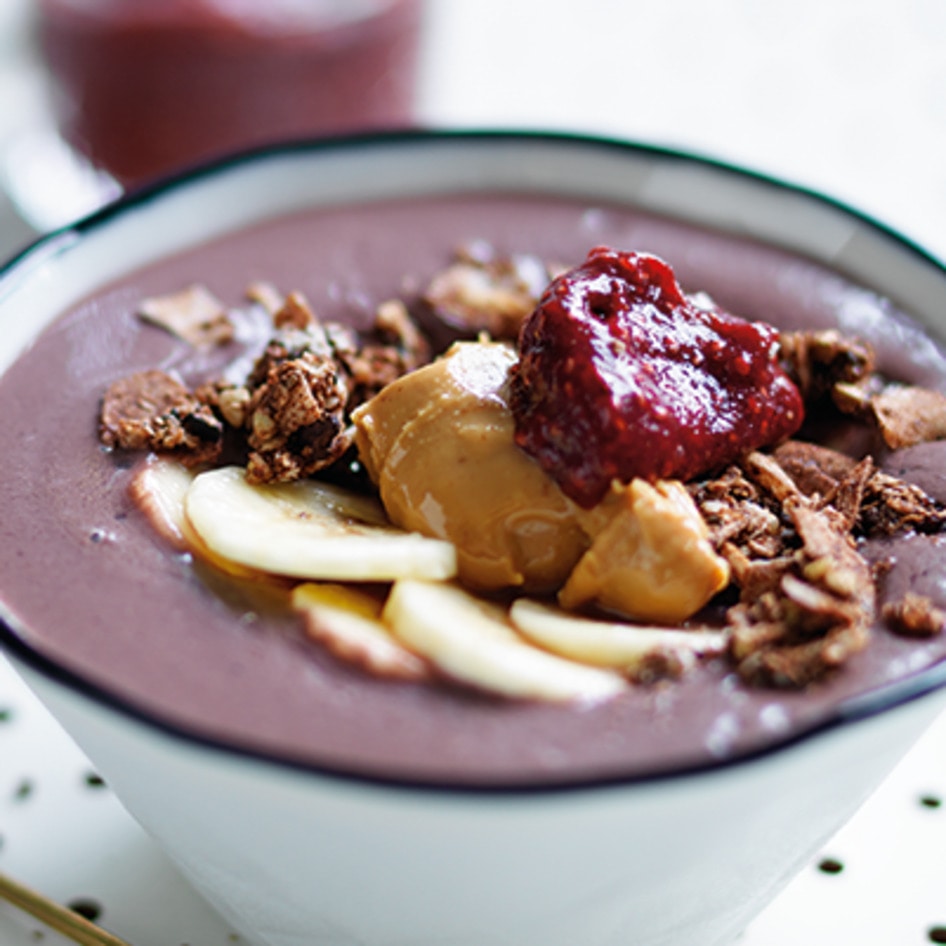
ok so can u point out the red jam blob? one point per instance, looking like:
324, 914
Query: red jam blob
621, 375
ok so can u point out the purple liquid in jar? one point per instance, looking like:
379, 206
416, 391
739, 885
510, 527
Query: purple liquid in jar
147, 87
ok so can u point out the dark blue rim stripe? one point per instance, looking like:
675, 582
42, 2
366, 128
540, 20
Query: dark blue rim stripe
850, 711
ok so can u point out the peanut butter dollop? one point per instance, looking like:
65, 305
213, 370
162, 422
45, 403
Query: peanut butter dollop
438, 443
651, 558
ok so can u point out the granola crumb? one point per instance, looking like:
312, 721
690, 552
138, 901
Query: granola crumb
908, 415
485, 291
294, 313
398, 346
662, 663
230, 401
914, 615
194, 314
820, 360
266, 295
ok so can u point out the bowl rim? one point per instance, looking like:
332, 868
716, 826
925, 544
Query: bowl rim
859, 708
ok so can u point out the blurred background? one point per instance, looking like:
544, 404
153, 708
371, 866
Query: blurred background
847, 97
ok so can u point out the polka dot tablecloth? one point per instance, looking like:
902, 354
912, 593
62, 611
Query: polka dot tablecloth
63, 833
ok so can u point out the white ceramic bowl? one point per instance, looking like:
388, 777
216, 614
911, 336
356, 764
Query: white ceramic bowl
295, 854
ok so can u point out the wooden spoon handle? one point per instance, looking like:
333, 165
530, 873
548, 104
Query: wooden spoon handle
65, 921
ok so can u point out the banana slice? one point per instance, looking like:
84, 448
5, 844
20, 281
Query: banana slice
347, 622
627, 647
308, 529
158, 489
471, 641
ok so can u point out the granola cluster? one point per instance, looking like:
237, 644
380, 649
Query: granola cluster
790, 522
291, 411
153, 411
831, 369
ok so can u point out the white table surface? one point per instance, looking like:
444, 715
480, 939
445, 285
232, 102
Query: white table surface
848, 98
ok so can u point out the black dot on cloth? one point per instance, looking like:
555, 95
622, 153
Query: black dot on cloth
830, 865
931, 801
936, 934
89, 909
94, 780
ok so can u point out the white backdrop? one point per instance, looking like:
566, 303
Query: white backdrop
847, 96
